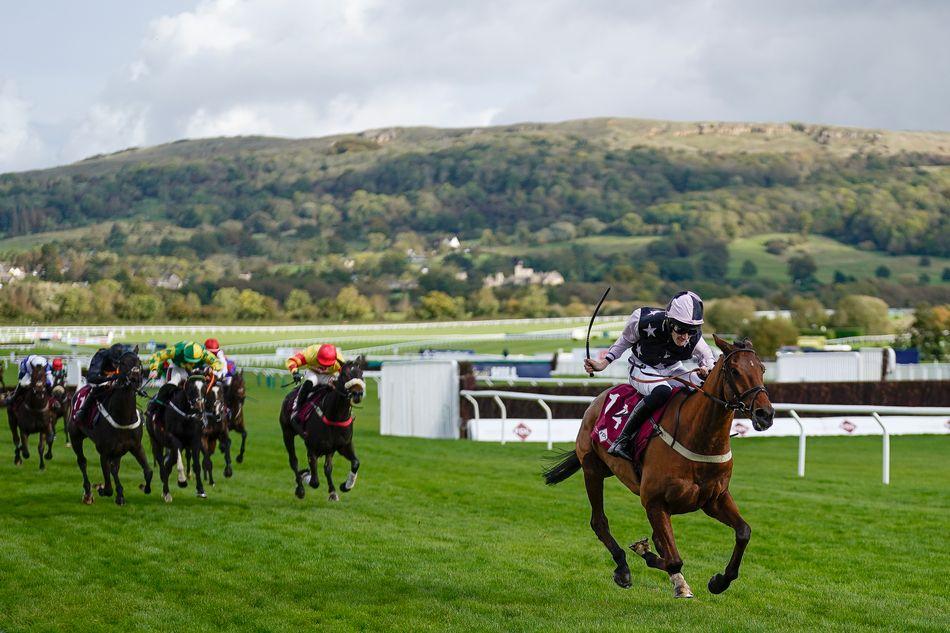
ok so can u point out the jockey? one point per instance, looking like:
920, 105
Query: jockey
25, 375
661, 341
184, 357
59, 372
320, 363
213, 346
103, 368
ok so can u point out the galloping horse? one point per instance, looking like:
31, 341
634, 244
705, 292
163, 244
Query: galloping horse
117, 430
62, 407
214, 430
234, 396
31, 414
676, 479
328, 430
178, 428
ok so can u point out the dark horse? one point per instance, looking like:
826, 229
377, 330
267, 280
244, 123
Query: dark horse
31, 413
675, 479
215, 430
61, 403
234, 395
177, 426
116, 430
328, 429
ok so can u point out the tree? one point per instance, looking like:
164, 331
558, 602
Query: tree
299, 304
768, 335
749, 269
862, 311
730, 314
882, 272
351, 305
254, 306
802, 268
226, 301
930, 332
484, 302
141, 307
808, 314
531, 303
438, 306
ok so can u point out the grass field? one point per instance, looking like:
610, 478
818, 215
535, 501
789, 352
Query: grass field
443, 535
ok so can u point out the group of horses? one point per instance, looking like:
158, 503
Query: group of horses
186, 431
198, 419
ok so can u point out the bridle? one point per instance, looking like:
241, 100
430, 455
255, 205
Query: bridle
737, 402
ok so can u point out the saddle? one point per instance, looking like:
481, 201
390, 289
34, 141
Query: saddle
620, 402
88, 419
308, 406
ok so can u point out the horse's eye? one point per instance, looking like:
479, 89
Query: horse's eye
735, 372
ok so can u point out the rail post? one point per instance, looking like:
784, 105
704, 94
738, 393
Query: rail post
547, 412
504, 416
801, 443
886, 476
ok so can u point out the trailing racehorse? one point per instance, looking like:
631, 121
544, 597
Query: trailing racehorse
215, 430
31, 413
176, 426
234, 395
328, 429
115, 429
688, 470
61, 404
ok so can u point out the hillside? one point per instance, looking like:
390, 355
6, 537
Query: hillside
646, 205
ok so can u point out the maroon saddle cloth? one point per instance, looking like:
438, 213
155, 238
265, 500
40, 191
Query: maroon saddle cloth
617, 407
90, 414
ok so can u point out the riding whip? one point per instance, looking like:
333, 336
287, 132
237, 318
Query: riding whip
591, 324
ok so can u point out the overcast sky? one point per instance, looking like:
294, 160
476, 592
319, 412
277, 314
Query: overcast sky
80, 78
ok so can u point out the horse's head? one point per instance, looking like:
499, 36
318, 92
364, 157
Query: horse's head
742, 383
350, 381
238, 386
194, 389
129, 369
38, 381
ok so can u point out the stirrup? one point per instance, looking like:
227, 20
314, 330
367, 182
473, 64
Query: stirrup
617, 449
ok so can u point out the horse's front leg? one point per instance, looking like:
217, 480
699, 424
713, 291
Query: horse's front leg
195, 453
724, 509
294, 465
40, 445
348, 452
226, 445
105, 489
243, 432
139, 453
312, 464
14, 429
594, 483
119, 491
328, 471
207, 448
76, 439
671, 562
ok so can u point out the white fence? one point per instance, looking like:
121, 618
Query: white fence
901, 421
420, 399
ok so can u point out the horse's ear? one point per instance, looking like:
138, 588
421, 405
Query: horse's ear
361, 361
722, 345
135, 350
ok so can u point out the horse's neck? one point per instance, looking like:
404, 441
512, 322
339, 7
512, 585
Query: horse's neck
336, 407
704, 424
121, 403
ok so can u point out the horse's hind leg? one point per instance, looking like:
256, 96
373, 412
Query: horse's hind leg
11, 418
594, 482
119, 491
50, 438
195, 452
312, 465
328, 471
206, 464
183, 469
243, 432
725, 510
671, 562
348, 452
139, 453
76, 439
105, 489
294, 466
226, 447
40, 445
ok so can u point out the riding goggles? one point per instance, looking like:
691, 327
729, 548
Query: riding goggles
680, 328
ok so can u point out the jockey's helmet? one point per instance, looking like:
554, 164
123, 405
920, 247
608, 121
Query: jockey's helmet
212, 345
116, 351
38, 361
685, 308
326, 355
57, 364
192, 352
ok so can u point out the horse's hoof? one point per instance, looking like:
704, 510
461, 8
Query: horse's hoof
103, 492
300, 492
167, 497
201, 494
182, 484
69, 445
641, 547
42, 467
17, 462
88, 499
718, 584
146, 488
228, 472
240, 459
333, 496
680, 587
622, 578
120, 501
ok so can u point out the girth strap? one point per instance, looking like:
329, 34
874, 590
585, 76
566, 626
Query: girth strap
114, 424
670, 441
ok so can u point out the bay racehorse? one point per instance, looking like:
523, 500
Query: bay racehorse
60, 402
31, 413
328, 429
234, 395
177, 427
116, 429
688, 469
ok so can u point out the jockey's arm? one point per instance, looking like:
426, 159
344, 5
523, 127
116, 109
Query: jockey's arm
159, 357
703, 356
625, 341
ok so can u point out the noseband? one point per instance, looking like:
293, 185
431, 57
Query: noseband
737, 402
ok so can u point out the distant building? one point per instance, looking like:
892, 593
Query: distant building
168, 282
524, 276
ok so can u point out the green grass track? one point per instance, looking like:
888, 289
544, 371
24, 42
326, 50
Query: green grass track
444, 535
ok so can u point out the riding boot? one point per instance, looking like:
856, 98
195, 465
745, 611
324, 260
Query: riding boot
302, 394
640, 414
157, 405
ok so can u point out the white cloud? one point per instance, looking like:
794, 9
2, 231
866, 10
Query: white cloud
106, 128
20, 146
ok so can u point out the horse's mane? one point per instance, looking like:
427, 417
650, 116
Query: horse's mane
743, 343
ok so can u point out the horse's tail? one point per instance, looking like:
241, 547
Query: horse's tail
565, 465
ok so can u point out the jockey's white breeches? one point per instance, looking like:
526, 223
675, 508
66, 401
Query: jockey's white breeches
316, 379
641, 377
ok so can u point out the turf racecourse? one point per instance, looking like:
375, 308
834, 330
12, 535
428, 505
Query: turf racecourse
442, 535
